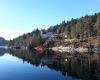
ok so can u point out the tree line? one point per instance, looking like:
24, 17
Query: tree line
84, 27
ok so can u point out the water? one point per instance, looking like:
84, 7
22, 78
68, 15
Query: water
25, 65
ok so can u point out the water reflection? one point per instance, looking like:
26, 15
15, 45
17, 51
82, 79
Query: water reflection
2, 51
85, 67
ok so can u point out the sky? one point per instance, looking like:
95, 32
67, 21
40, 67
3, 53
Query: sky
22, 16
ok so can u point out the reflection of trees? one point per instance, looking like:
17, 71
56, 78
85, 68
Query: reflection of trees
2, 51
30, 57
80, 67
85, 69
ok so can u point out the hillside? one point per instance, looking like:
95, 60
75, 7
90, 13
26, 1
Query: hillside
3, 42
80, 28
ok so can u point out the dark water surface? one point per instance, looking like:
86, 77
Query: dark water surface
25, 65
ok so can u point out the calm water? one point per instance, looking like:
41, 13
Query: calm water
25, 65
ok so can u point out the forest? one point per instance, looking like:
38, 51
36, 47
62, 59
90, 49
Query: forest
79, 28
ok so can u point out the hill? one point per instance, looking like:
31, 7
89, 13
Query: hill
3, 42
80, 28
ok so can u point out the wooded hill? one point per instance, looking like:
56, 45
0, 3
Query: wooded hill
84, 27
3, 42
